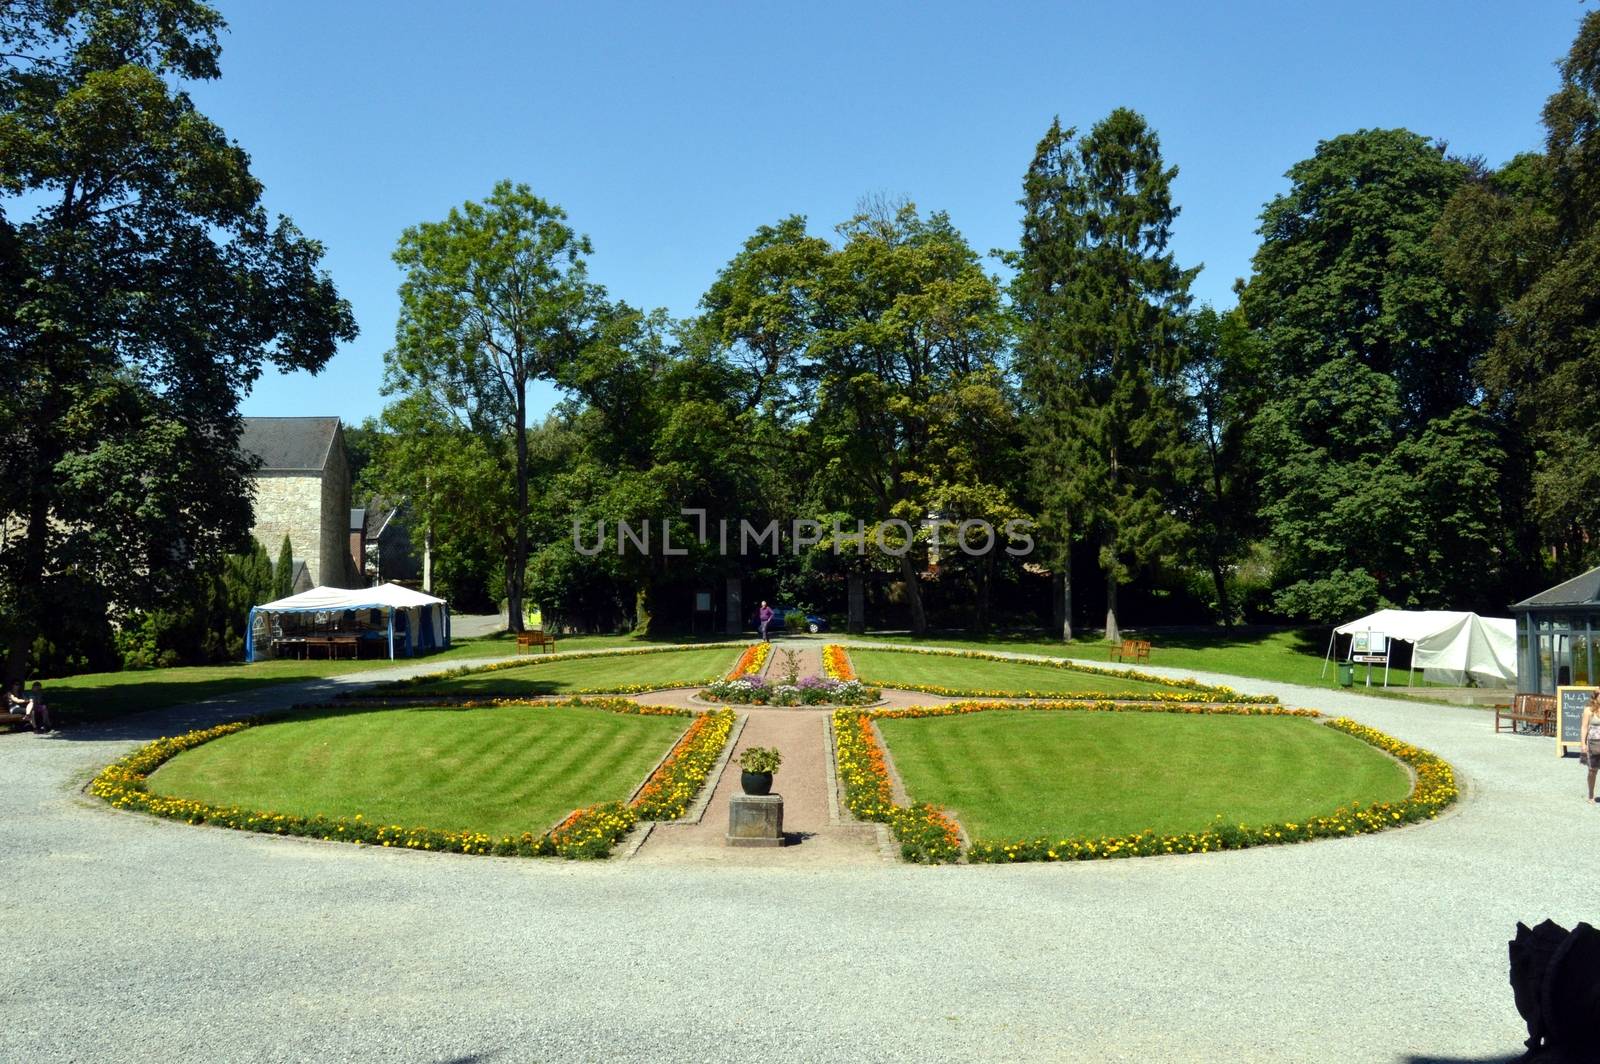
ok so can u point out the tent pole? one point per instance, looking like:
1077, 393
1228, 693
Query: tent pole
391, 633
1331, 637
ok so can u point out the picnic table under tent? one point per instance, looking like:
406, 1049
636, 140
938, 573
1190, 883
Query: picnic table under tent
400, 622
1449, 647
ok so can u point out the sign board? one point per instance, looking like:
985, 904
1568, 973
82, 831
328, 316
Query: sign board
1370, 644
1570, 704
1369, 648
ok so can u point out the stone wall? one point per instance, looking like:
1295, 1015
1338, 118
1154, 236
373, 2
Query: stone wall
291, 503
313, 508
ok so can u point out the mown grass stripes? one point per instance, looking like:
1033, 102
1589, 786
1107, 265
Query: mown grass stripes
506, 770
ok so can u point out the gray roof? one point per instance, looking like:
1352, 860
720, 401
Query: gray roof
299, 444
358, 520
378, 511
1581, 590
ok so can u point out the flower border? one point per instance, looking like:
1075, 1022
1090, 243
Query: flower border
836, 663
1185, 690
751, 662
675, 783
927, 834
587, 833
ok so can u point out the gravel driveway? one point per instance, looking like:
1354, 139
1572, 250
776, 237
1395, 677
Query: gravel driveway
132, 939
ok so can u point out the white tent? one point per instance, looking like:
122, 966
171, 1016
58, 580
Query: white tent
410, 621
1449, 646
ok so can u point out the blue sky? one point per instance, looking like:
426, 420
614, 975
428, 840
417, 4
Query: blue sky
670, 131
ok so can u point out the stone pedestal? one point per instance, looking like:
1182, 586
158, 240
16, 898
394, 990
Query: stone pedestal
755, 820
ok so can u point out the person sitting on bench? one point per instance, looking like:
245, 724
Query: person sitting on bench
32, 706
38, 709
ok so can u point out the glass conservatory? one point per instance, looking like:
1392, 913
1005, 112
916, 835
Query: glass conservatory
1558, 636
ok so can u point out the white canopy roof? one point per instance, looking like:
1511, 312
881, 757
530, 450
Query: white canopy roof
1449, 645
390, 596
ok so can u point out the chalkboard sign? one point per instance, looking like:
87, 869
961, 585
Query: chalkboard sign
1570, 704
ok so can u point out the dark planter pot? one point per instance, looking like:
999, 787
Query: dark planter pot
755, 782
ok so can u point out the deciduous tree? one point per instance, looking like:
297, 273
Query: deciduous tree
145, 287
496, 296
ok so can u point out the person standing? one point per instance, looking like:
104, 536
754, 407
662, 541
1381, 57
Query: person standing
1589, 728
765, 617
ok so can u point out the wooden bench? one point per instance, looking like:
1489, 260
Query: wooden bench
529, 640
1527, 714
13, 720
1131, 649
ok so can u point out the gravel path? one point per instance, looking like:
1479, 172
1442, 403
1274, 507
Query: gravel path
131, 939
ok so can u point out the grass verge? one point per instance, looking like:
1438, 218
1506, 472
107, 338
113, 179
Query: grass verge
624, 671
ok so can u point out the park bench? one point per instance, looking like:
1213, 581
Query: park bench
529, 640
13, 720
1527, 715
1131, 650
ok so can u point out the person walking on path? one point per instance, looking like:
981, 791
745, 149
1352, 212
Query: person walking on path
765, 617
1589, 728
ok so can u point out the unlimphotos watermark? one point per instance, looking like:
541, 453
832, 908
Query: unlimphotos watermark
895, 537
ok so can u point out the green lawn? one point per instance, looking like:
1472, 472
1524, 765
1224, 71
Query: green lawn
887, 668
499, 771
101, 695
1012, 775
677, 668
1289, 656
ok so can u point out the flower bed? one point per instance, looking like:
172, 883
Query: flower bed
1185, 690
1104, 705
674, 785
591, 832
811, 691
927, 834
752, 661
836, 663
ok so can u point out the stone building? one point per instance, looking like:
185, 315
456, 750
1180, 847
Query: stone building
303, 490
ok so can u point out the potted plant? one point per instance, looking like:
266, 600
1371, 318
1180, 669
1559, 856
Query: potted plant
758, 763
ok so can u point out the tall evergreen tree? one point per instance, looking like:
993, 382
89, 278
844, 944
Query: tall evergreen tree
283, 572
1101, 303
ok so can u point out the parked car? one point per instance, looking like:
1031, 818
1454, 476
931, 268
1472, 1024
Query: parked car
790, 619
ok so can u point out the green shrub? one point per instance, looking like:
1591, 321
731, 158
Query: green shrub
760, 759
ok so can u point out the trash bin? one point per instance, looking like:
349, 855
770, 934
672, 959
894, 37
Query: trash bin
1347, 674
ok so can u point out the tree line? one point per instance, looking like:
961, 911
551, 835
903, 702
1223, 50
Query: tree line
1398, 410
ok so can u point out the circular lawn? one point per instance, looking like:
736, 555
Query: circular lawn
500, 771
1027, 774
